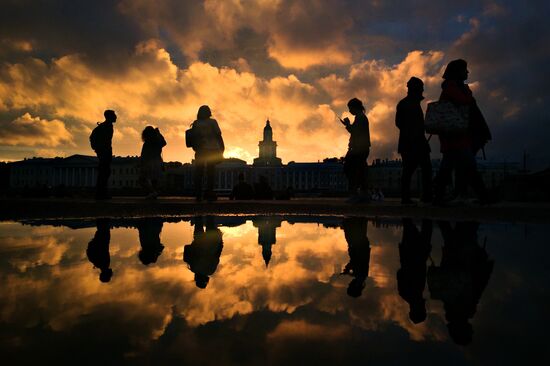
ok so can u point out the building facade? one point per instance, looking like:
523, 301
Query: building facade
306, 178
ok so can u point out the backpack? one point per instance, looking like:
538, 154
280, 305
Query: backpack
95, 137
192, 137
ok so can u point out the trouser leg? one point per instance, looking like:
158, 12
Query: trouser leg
475, 179
426, 166
199, 172
103, 173
444, 175
210, 176
349, 172
409, 166
362, 171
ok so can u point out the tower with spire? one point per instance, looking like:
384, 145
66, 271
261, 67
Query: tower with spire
267, 234
268, 149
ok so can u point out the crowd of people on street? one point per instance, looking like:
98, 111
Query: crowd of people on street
455, 118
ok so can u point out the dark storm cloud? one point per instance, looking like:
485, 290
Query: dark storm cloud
95, 29
508, 54
339, 48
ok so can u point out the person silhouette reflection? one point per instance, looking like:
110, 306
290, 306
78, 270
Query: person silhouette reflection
149, 238
98, 249
203, 254
355, 231
414, 250
461, 278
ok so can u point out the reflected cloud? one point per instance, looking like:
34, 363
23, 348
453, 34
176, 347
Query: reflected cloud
301, 291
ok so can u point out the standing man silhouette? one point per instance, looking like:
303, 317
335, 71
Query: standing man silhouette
413, 146
101, 141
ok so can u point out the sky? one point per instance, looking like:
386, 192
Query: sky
63, 62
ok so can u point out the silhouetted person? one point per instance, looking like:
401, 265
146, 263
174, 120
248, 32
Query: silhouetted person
98, 250
413, 146
151, 160
101, 141
149, 238
414, 250
262, 189
355, 231
203, 254
459, 149
355, 162
209, 150
461, 278
242, 190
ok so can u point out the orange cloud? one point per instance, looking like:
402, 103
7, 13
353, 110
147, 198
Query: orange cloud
27, 130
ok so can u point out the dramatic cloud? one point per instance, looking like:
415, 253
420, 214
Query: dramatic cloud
381, 86
296, 63
34, 131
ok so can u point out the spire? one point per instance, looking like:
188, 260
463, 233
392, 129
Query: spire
268, 132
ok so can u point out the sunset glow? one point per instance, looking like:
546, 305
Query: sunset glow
296, 63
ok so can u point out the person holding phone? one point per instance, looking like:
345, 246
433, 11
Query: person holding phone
355, 162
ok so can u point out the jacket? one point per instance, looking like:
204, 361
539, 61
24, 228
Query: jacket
409, 118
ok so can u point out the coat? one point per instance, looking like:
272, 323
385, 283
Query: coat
409, 118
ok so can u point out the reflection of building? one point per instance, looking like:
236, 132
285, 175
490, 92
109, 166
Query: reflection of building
267, 228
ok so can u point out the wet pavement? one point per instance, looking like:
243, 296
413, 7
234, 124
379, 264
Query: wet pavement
273, 289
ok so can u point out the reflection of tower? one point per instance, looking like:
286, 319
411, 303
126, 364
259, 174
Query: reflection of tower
267, 227
268, 149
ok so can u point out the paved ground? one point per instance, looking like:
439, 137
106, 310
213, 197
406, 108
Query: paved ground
33, 208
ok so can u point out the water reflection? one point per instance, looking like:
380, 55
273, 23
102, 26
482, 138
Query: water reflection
460, 278
267, 234
355, 231
203, 254
98, 250
414, 250
149, 229
287, 303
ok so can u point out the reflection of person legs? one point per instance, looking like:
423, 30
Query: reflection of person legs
210, 224
198, 229
103, 174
